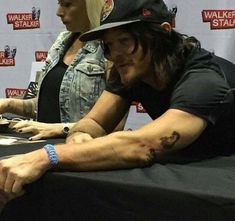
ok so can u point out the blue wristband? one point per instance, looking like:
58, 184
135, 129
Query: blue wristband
52, 155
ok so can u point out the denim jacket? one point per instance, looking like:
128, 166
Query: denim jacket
83, 81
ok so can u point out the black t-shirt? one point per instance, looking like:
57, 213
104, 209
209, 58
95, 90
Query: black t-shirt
48, 106
205, 89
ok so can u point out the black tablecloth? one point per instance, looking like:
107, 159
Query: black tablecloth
197, 191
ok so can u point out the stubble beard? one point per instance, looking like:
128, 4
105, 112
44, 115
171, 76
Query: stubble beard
130, 82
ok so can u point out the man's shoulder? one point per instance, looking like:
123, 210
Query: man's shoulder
198, 58
227, 68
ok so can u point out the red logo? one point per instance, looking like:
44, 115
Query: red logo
7, 57
107, 9
219, 19
40, 55
25, 20
13, 92
139, 107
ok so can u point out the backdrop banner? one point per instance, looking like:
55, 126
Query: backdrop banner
29, 27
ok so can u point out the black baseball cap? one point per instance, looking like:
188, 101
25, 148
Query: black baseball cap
121, 12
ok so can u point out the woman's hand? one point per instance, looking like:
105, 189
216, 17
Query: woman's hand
40, 130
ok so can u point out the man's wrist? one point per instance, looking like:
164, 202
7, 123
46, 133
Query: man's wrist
51, 153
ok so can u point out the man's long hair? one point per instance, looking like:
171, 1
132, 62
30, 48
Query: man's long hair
169, 50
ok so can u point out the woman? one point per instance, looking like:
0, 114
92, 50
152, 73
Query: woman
73, 76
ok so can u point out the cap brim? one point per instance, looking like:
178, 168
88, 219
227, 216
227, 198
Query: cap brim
97, 33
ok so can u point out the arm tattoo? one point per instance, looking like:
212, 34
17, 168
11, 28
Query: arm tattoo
29, 108
169, 142
152, 157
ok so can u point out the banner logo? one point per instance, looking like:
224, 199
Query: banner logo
219, 19
40, 55
14, 92
139, 107
7, 57
25, 20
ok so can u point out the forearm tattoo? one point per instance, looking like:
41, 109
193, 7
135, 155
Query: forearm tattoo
169, 142
23, 107
29, 108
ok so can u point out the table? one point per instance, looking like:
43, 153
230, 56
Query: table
193, 191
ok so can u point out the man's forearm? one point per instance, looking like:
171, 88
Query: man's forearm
21, 107
89, 126
114, 151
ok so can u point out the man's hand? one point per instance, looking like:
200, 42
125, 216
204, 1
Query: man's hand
22, 169
40, 130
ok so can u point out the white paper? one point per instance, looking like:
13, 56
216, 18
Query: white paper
9, 140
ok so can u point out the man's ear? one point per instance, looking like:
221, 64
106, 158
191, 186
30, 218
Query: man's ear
166, 26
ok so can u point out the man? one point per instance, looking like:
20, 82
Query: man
181, 86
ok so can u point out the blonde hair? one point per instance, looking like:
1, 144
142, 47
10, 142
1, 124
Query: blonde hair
94, 8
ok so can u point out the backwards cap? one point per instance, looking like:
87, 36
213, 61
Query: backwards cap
121, 12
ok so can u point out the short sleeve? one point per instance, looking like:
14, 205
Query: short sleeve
202, 92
